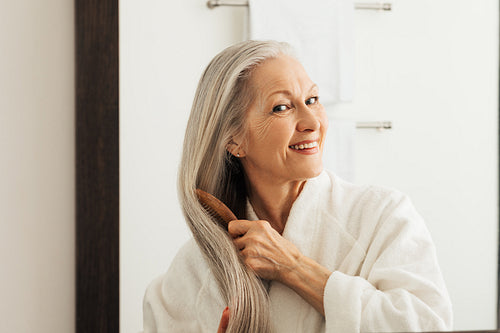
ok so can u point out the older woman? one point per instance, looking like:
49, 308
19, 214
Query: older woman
309, 251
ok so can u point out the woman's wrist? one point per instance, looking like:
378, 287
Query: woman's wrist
308, 279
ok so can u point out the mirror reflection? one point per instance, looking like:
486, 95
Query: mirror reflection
255, 139
407, 260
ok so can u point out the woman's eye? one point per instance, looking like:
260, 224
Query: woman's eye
312, 100
280, 108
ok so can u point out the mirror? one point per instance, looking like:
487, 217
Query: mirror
444, 110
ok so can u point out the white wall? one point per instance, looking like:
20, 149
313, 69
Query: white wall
37, 213
430, 67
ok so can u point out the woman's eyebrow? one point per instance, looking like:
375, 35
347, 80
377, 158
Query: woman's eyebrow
314, 86
283, 92
288, 92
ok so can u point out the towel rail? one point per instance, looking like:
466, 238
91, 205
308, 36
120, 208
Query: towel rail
242, 3
380, 125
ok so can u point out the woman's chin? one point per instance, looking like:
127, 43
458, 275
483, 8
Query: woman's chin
313, 172
318, 171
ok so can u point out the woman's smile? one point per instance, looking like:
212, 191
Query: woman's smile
307, 147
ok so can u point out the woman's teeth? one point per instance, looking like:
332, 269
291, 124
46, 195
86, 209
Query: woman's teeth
304, 146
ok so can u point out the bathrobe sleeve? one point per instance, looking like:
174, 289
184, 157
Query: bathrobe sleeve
399, 287
185, 299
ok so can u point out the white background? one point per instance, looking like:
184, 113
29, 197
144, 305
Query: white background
430, 67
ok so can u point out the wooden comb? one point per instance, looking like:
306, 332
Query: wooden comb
215, 208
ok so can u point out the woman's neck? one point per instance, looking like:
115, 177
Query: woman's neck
272, 201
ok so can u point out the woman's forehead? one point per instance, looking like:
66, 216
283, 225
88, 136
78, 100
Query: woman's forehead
280, 75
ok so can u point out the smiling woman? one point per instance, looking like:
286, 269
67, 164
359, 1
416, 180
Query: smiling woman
308, 250
412, 107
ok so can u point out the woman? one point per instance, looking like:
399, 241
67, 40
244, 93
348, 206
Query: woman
309, 251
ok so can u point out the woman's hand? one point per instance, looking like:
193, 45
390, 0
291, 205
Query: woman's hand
224, 321
264, 250
273, 257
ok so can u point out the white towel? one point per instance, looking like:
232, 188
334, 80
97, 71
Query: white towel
322, 34
338, 151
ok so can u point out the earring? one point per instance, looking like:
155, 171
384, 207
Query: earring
238, 155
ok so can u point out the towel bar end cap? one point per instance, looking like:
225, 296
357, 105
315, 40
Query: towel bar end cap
213, 3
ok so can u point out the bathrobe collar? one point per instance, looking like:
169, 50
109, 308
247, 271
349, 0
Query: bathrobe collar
300, 225
287, 308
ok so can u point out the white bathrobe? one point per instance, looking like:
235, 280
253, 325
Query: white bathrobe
385, 272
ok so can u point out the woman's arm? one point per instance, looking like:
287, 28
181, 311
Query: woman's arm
400, 287
273, 257
308, 280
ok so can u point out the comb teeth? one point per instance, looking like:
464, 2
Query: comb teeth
214, 215
219, 212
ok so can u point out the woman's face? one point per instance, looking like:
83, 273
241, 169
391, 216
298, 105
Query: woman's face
286, 124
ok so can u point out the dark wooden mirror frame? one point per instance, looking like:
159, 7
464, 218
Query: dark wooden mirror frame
97, 167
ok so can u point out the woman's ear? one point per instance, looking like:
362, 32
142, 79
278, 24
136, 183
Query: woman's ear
235, 149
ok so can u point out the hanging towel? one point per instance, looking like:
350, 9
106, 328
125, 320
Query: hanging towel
322, 34
338, 151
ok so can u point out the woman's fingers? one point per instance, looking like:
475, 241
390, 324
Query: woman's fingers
238, 228
263, 249
224, 321
239, 242
244, 231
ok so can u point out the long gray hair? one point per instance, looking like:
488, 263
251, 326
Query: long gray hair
218, 114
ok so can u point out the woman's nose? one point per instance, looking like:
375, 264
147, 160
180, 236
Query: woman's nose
307, 120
